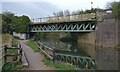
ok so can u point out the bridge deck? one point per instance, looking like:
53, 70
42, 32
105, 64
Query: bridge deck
70, 18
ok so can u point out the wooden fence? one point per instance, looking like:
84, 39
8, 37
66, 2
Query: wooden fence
10, 54
84, 62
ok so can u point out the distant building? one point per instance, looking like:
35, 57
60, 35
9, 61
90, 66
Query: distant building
108, 10
21, 35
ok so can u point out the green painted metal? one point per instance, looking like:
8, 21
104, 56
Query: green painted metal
75, 60
85, 26
72, 23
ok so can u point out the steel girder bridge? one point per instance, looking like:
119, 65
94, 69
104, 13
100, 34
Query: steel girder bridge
71, 23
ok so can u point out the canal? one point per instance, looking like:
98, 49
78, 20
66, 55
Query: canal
105, 58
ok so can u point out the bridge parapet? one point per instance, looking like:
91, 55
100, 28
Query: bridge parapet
70, 18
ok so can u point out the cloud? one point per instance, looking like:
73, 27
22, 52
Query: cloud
41, 8
79, 4
23, 0
31, 9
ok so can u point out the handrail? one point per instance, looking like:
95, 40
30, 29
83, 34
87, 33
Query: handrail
45, 46
78, 17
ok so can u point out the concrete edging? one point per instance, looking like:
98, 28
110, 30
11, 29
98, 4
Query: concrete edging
24, 60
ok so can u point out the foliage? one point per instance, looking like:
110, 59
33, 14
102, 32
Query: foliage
115, 6
8, 39
9, 67
39, 36
33, 45
67, 12
21, 24
11, 23
59, 65
6, 22
116, 9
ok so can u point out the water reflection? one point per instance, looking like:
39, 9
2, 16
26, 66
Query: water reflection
63, 47
105, 58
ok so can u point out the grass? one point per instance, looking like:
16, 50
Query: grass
1, 52
1, 62
33, 45
5, 38
8, 39
59, 65
12, 51
9, 67
0, 40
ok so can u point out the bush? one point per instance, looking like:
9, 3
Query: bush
9, 67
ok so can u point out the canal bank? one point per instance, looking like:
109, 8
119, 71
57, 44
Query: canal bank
47, 61
105, 57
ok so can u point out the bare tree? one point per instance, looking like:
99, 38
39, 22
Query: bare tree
109, 5
66, 12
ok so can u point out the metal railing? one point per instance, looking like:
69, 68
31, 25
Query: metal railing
69, 18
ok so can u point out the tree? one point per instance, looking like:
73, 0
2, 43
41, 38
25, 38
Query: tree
6, 22
109, 5
115, 6
60, 13
66, 12
21, 24
116, 9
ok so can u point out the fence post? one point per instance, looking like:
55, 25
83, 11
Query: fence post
20, 54
54, 56
5, 51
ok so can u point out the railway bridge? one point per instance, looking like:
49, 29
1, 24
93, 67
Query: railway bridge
72, 23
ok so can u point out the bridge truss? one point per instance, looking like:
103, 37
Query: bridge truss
80, 26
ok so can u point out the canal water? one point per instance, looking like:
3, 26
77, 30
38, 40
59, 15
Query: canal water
105, 58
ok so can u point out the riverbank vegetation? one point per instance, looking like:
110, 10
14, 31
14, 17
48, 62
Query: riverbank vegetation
12, 63
59, 65
56, 65
8, 39
32, 44
10, 67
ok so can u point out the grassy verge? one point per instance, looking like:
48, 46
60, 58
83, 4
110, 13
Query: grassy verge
9, 67
33, 45
8, 39
59, 65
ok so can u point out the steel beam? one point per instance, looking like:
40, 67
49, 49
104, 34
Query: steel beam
71, 27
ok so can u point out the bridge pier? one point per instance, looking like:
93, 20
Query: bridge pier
88, 38
105, 35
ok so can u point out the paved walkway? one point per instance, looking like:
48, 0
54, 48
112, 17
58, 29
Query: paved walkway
34, 58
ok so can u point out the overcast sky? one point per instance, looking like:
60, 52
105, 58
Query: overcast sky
44, 8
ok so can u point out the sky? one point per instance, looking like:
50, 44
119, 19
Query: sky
45, 8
